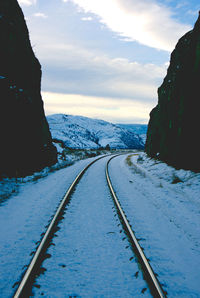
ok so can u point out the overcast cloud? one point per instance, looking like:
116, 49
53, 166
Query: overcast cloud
80, 71
105, 58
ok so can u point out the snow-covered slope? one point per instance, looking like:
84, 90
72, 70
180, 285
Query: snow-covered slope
83, 133
140, 129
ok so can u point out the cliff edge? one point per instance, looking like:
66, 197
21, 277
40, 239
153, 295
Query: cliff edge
26, 143
174, 124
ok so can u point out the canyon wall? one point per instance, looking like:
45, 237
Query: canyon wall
173, 130
26, 143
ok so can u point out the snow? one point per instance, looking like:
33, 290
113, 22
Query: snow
82, 132
9, 186
165, 215
139, 129
161, 203
23, 218
58, 147
90, 251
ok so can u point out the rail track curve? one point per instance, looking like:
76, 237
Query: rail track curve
29, 276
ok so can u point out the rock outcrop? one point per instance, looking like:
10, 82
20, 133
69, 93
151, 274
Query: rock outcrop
173, 130
26, 143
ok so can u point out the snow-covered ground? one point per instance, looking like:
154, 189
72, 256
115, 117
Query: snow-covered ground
161, 203
163, 207
91, 252
10, 186
24, 216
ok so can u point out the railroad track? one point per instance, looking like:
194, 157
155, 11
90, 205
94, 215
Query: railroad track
32, 271
148, 272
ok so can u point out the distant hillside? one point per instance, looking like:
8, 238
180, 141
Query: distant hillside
85, 133
140, 129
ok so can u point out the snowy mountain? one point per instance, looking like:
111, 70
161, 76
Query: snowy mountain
139, 129
85, 133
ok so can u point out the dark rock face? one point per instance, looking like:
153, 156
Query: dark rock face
173, 130
26, 143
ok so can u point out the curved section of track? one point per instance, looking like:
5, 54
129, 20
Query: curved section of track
36, 260
147, 270
33, 269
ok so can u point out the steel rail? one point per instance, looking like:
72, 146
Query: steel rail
30, 273
149, 275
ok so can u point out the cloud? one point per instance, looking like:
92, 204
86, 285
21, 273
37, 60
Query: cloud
182, 4
27, 2
110, 87
87, 19
193, 12
40, 15
70, 69
96, 107
146, 22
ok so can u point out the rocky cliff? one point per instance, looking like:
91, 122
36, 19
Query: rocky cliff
26, 143
173, 130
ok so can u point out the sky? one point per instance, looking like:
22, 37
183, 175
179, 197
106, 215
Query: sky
105, 59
